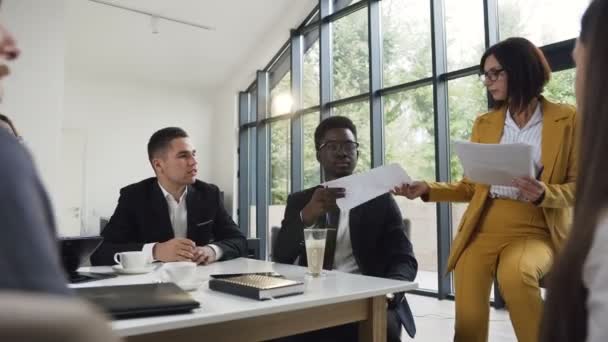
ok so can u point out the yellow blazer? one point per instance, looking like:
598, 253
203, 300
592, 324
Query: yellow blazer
559, 155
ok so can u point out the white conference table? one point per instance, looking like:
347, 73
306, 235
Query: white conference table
333, 299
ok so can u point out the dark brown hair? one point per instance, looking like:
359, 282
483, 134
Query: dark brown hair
10, 123
161, 139
526, 67
566, 313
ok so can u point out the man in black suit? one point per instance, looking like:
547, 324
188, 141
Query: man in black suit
370, 239
173, 216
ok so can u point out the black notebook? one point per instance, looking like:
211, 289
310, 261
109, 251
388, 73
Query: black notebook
127, 301
256, 285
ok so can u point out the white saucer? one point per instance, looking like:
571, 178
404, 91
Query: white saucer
193, 286
118, 269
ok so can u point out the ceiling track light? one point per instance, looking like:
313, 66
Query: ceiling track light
154, 17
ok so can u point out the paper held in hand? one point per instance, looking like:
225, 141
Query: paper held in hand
495, 164
362, 187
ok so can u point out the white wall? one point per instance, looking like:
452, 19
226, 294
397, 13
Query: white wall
34, 92
226, 101
118, 117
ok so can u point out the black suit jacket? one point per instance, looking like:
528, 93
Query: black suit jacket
142, 216
379, 243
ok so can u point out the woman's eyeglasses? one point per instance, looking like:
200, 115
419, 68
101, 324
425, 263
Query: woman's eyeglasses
491, 75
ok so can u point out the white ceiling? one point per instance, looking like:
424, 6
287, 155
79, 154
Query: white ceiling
103, 41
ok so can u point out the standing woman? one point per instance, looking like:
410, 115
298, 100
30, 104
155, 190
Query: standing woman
511, 232
577, 297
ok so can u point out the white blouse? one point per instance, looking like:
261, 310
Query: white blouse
530, 134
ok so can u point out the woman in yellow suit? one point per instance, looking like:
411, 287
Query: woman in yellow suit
511, 232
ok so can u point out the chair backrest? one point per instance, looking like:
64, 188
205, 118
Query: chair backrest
37, 318
274, 234
253, 248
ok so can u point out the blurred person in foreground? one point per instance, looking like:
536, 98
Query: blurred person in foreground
29, 257
577, 297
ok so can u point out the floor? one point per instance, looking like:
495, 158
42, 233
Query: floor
435, 321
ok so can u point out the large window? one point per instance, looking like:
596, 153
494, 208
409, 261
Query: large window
312, 170
406, 34
341, 4
464, 33
561, 87
351, 56
414, 112
541, 21
410, 141
252, 179
280, 170
280, 97
311, 83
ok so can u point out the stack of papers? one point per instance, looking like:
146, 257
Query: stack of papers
362, 187
495, 164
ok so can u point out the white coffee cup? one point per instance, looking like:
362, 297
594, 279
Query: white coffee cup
131, 260
181, 272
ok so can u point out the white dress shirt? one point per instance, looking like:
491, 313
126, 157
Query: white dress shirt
178, 215
530, 134
595, 279
344, 260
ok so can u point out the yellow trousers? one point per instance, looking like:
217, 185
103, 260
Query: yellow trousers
513, 244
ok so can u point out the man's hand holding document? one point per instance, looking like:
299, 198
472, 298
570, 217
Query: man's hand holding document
495, 164
362, 187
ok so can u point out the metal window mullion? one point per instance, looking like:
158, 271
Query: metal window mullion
490, 11
244, 156
297, 155
325, 62
263, 159
375, 83
442, 142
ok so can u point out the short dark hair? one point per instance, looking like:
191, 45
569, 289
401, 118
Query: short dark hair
526, 67
332, 123
161, 139
10, 123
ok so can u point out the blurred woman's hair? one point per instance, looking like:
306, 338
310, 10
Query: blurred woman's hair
566, 313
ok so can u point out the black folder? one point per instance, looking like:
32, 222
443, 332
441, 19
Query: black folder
129, 301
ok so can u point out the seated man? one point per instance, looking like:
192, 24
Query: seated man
370, 239
173, 216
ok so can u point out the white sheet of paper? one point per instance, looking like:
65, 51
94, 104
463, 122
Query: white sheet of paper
495, 164
362, 187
